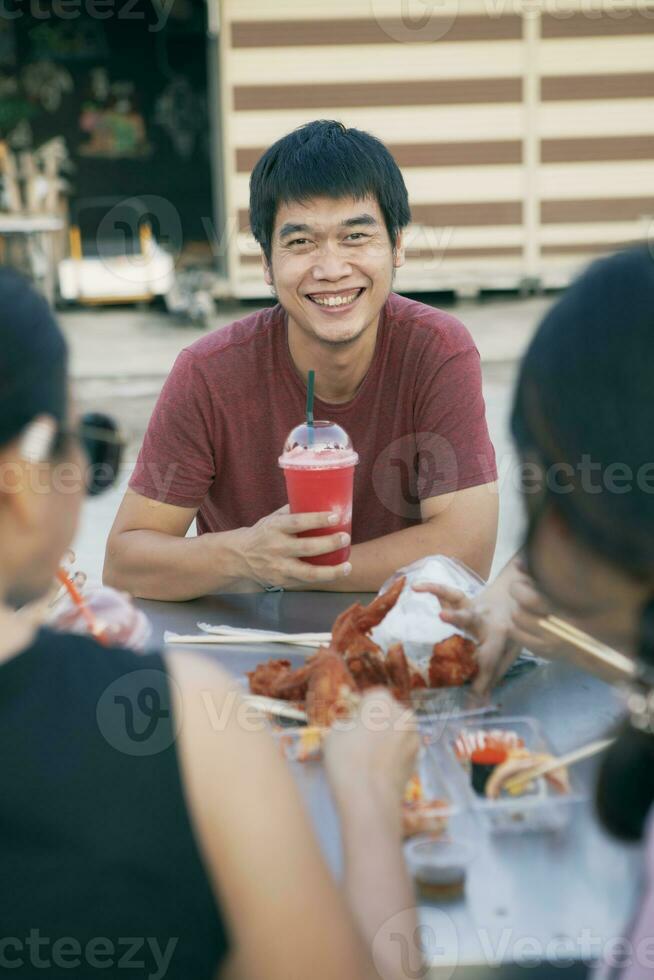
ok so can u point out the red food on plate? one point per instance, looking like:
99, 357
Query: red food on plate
452, 662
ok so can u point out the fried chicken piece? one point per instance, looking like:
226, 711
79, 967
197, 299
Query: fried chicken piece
351, 628
352, 662
330, 686
367, 669
323, 683
346, 635
294, 685
399, 672
418, 682
376, 610
276, 679
264, 677
452, 662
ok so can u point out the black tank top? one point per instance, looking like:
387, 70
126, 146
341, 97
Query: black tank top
100, 873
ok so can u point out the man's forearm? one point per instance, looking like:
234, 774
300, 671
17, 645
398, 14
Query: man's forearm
152, 565
375, 561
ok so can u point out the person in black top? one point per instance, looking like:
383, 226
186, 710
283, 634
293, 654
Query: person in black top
583, 427
143, 825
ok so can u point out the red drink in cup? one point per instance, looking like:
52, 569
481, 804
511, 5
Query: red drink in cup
318, 463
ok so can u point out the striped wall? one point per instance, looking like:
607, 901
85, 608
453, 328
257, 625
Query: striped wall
526, 142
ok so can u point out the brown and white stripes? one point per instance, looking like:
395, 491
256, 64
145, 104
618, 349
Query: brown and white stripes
526, 137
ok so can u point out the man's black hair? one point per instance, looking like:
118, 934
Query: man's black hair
325, 159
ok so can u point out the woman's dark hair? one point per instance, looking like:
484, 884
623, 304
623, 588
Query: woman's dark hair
33, 358
584, 407
325, 159
625, 790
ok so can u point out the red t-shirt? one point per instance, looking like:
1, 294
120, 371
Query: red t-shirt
417, 421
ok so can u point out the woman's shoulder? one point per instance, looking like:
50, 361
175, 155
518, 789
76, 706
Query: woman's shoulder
84, 672
62, 649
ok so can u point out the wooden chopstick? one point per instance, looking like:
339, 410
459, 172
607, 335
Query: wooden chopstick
565, 760
273, 706
215, 638
601, 655
264, 635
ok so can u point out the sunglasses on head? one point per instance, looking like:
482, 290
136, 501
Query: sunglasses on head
99, 437
104, 446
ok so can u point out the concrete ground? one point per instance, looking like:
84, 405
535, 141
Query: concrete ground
121, 356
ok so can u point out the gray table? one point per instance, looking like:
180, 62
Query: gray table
551, 896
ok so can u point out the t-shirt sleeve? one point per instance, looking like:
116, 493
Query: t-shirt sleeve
454, 448
176, 464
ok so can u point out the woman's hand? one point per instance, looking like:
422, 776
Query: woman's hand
502, 618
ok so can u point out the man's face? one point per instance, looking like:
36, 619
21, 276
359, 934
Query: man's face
332, 265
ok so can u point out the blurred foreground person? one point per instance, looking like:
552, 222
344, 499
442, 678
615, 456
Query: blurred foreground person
140, 799
583, 422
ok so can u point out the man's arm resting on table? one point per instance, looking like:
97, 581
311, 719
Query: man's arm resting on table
462, 525
149, 556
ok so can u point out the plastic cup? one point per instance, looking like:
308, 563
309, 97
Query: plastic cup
439, 866
318, 463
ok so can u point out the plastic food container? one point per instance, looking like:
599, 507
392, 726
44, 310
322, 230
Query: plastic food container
439, 866
429, 800
414, 621
435, 704
540, 807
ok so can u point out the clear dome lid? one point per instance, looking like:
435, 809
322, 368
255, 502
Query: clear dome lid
321, 444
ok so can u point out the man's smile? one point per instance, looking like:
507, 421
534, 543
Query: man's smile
336, 301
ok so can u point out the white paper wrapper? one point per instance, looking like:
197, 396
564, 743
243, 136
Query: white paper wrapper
414, 620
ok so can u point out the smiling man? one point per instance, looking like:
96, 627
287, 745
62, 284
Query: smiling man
327, 206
